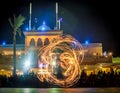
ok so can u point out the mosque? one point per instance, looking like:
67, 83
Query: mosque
94, 59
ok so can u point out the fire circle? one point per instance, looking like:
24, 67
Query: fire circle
59, 62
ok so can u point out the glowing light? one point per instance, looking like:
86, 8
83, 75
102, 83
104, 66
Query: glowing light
36, 20
110, 54
53, 63
86, 42
27, 63
105, 54
2, 70
100, 66
26, 28
65, 63
3, 43
60, 19
94, 54
12, 68
81, 52
19, 53
85, 67
43, 28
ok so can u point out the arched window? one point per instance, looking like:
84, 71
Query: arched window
46, 42
32, 42
39, 42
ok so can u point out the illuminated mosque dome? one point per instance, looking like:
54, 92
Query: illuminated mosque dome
43, 27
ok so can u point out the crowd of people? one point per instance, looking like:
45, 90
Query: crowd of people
23, 81
102, 79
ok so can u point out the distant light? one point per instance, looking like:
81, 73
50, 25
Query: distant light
60, 19
100, 67
12, 68
36, 20
2, 70
27, 63
26, 28
86, 42
44, 25
110, 53
81, 52
3, 43
105, 53
43, 28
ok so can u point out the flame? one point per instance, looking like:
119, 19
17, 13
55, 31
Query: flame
60, 61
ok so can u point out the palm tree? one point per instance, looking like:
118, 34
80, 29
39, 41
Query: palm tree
16, 24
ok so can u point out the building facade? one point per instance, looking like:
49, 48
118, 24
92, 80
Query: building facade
35, 39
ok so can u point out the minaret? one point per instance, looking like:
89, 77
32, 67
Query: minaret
56, 15
30, 16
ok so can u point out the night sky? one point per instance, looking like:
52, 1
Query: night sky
92, 20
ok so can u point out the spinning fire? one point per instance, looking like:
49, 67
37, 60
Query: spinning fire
59, 62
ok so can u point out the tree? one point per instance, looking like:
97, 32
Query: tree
16, 24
